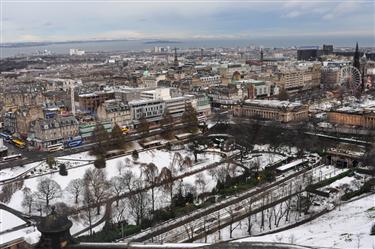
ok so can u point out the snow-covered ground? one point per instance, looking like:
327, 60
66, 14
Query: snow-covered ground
30, 234
9, 173
10, 221
161, 158
348, 226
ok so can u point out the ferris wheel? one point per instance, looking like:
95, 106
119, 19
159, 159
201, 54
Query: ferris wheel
350, 79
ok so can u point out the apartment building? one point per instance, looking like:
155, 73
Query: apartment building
45, 132
114, 111
298, 78
150, 109
91, 101
158, 93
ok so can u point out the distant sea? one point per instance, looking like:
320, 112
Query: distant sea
113, 46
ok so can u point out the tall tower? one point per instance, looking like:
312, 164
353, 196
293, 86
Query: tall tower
261, 55
356, 63
175, 63
72, 99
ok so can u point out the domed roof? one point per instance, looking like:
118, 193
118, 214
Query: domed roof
54, 223
364, 58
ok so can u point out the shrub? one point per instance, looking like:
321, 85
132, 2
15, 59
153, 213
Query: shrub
62, 170
100, 163
135, 155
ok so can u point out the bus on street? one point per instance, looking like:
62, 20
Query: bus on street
55, 147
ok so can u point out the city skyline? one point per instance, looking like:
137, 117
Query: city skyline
340, 22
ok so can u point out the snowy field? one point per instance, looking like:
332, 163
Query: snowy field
9, 173
161, 158
348, 226
10, 221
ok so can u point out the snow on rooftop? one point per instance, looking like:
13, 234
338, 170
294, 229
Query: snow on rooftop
273, 103
291, 165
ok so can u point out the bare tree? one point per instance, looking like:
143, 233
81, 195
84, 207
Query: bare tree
269, 216
248, 207
139, 203
116, 188
75, 188
232, 214
48, 190
166, 178
190, 228
219, 174
39, 204
28, 199
187, 162
88, 200
200, 182
96, 180
288, 205
127, 178
151, 175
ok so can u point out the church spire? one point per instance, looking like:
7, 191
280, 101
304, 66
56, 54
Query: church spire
175, 59
356, 63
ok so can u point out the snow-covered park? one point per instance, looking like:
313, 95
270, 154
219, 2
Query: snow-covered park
348, 226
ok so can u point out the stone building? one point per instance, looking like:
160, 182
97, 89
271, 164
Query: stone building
299, 78
202, 105
280, 111
114, 111
91, 101
150, 109
23, 98
345, 155
360, 118
330, 77
45, 132
10, 122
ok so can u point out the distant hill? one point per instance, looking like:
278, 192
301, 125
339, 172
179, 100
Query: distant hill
161, 42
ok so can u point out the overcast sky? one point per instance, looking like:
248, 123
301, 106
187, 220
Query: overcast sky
57, 20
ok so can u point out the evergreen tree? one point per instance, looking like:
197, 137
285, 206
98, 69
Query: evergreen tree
143, 126
99, 162
189, 117
135, 155
117, 137
62, 170
283, 94
167, 124
101, 138
50, 161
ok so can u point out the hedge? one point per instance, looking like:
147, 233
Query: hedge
330, 180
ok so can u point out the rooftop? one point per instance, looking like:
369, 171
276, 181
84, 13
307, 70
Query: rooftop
273, 103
